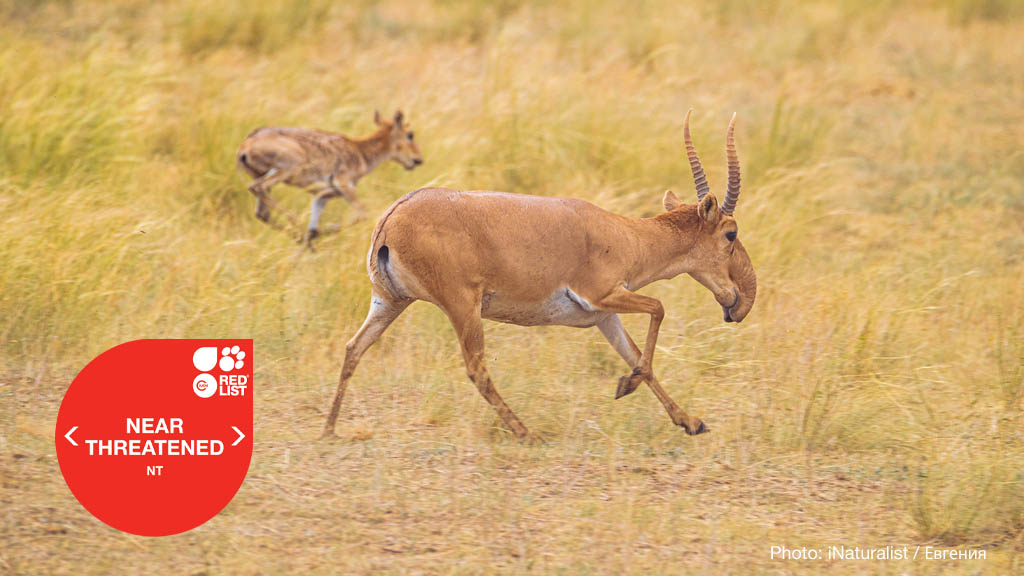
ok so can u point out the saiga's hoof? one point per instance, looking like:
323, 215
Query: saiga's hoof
700, 428
627, 385
308, 237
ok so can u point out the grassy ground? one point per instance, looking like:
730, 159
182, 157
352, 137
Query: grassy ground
872, 397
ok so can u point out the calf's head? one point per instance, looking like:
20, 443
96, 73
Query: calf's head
402, 144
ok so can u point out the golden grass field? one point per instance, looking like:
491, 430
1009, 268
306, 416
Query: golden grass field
873, 396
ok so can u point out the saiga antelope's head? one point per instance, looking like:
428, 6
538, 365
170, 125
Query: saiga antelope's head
717, 258
402, 145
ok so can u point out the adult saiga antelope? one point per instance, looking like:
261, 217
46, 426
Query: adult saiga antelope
327, 164
532, 260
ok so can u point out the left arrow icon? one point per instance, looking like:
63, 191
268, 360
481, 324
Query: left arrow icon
68, 435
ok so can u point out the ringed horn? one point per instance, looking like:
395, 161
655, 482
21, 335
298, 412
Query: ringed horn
732, 190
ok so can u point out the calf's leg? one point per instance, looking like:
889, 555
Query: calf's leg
261, 186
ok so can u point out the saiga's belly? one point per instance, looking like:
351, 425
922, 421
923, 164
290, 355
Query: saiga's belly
563, 308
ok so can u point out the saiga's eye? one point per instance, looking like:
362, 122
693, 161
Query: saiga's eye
730, 236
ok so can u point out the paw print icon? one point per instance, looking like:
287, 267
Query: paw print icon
231, 359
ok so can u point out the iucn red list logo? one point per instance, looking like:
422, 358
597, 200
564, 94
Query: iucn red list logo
154, 437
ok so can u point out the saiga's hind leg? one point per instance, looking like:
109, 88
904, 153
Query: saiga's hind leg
260, 188
465, 318
383, 311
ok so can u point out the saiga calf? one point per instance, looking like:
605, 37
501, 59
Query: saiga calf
327, 164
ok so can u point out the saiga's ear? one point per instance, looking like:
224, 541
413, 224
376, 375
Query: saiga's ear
398, 117
376, 118
708, 210
671, 201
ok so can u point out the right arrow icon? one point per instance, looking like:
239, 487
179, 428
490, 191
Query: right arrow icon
237, 431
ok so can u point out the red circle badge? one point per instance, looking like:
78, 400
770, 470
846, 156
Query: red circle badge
154, 437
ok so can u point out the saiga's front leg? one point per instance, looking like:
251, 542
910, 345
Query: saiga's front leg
624, 301
348, 191
321, 195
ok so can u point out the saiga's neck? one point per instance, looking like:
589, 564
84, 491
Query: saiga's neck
374, 149
663, 245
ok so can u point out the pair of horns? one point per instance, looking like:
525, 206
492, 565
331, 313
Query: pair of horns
732, 189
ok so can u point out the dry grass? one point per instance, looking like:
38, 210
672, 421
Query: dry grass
873, 396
